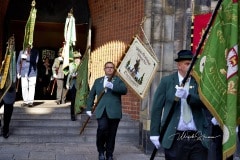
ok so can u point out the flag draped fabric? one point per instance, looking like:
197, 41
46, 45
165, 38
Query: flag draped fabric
70, 39
29, 28
216, 71
8, 68
83, 77
82, 85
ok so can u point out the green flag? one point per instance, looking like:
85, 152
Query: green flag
217, 72
82, 85
83, 77
8, 68
29, 28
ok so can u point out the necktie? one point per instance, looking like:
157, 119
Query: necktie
186, 108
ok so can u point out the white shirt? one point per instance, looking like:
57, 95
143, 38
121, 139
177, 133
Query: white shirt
105, 81
182, 126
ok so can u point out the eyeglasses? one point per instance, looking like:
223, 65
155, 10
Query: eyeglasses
109, 67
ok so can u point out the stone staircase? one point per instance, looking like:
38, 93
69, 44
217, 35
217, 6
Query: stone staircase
47, 122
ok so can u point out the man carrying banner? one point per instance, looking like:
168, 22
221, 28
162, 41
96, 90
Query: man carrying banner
108, 110
185, 135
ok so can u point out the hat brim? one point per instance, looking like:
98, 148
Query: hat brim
182, 59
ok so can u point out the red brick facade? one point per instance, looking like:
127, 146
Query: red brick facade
118, 21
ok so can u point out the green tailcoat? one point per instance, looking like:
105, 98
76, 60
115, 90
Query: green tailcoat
111, 100
162, 102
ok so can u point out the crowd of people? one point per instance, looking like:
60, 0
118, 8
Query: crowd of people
33, 71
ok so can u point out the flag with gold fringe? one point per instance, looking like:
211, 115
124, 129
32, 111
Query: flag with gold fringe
216, 72
83, 77
8, 68
29, 27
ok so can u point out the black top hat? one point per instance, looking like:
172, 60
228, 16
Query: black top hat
184, 55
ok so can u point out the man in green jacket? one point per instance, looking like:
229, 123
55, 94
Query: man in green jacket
108, 110
186, 136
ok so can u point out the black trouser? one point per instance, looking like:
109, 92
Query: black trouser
106, 134
73, 96
184, 148
8, 110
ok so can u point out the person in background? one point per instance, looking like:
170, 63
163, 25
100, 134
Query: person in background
8, 100
71, 81
59, 77
45, 77
27, 71
183, 138
108, 110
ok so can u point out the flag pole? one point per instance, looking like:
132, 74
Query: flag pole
200, 45
192, 25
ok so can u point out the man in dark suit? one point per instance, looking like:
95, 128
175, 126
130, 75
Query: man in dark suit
108, 110
186, 134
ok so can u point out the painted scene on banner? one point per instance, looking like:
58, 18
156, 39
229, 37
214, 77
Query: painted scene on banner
138, 67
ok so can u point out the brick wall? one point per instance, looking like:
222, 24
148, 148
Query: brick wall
116, 21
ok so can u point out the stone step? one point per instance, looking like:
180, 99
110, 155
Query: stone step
64, 122
122, 131
50, 123
69, 138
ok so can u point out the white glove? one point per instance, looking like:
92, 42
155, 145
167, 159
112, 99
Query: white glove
74, 75
155, 141
18, 76
67, 86
109, 85
23, 56
54, 76
181, 92
60, 58
214, 121
89, 113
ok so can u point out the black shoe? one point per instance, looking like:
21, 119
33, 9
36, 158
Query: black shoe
109, 158
24, 104
6, 135
101, 156
58, 102
30, 105
73, 118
